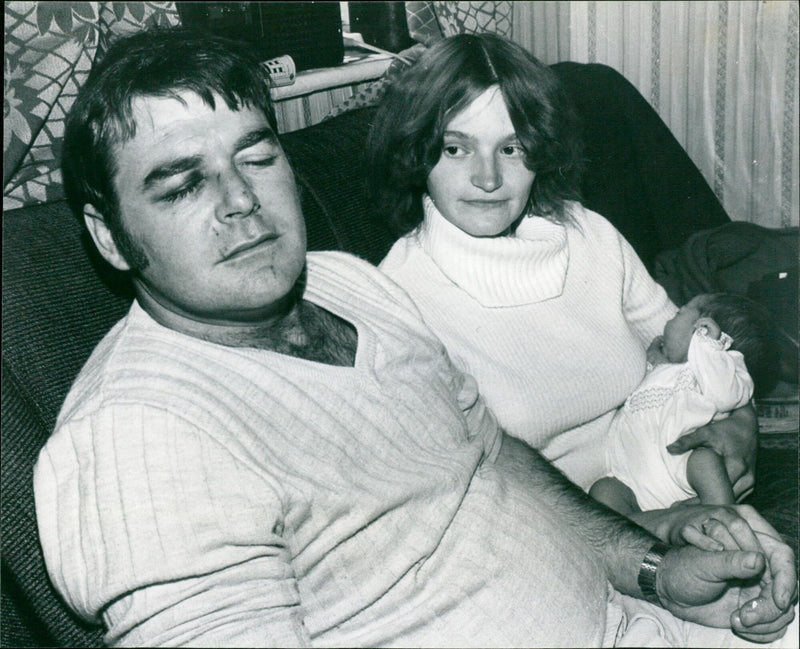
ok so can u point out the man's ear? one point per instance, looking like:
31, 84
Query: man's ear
712, 328
101, 235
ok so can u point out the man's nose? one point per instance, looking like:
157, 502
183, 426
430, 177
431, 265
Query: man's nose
237, 198
486, 174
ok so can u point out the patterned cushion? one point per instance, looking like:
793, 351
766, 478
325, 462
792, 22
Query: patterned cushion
49, 49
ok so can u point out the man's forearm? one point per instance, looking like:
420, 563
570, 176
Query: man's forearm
618, 543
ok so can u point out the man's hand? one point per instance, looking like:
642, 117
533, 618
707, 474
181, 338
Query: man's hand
726, 527
735, 439
706, 588
697, 585
726, 589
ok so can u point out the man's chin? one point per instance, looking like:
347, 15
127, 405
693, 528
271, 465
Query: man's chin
276, 307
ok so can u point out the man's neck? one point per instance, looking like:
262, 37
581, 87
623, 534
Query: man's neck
299, 328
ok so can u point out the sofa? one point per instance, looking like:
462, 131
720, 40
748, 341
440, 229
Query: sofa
60, 297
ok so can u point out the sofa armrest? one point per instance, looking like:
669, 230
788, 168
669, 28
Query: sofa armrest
637, 174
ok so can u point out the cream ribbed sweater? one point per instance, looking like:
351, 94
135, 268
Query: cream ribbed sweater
553, 323
200, 494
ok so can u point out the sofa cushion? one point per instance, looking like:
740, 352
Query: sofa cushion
329, 167
637, 174
55, 310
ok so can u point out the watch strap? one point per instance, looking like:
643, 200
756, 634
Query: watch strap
647, 572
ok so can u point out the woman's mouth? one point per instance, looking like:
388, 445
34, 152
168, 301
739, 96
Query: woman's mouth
486, 202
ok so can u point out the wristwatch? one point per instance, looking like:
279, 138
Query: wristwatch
647, 572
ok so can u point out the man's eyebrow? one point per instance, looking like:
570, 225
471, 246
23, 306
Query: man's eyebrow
255, 137
171, 168
181, 165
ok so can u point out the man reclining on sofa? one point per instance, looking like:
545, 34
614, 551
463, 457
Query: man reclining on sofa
272, 449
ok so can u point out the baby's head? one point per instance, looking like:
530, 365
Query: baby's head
747, 322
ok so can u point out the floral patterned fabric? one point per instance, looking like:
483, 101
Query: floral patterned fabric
473, 17
428, 22
49, 50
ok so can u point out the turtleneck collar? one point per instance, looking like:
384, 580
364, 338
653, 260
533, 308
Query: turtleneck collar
504, 271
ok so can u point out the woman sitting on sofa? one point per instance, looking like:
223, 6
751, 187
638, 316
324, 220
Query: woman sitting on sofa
476, 165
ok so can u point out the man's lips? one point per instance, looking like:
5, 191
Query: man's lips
245, 246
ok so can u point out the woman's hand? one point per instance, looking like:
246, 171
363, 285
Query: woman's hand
735, 438
708, 527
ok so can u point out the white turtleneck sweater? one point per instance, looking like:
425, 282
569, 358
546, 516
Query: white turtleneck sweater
552, 322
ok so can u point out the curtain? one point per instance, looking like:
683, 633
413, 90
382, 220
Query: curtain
722, 75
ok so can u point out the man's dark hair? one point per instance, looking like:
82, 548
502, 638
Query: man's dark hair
754, 335
152, 63
405, 142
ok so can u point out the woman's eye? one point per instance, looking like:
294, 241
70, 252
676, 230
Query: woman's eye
512, 150
452, 150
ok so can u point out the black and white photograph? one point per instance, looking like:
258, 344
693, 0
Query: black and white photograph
400, 324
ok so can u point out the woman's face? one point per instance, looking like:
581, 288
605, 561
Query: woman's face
480, 183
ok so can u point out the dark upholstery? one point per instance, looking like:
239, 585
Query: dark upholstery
638, 176
59, 298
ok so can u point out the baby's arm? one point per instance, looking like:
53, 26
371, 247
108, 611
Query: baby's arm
720, 372
705, 471
655, 354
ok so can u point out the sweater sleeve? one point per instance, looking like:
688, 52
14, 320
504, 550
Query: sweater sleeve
164, 555
481, 422
644, 302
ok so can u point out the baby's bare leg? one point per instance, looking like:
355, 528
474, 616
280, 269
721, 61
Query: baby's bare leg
705, 471
615, 494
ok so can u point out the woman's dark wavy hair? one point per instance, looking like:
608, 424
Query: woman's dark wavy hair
154, 63
405, 141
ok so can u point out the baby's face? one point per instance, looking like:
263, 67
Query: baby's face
678, 331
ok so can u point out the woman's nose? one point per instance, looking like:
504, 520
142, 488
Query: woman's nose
237, 198
486, 174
